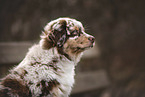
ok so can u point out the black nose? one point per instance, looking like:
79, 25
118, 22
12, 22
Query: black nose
92, 39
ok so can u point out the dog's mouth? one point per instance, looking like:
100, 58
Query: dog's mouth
86, 47
88, 43
92, 45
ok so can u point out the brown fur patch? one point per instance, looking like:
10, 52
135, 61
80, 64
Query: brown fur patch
4, 93
21, 74
47, 87
61, 51
24, 72
53, 64
47, 43
17, 87
63, 23
78, 45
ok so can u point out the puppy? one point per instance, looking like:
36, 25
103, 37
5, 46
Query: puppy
48, 68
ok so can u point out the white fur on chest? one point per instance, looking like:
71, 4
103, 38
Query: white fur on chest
38, 71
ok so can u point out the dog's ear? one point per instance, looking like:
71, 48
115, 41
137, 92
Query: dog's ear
60, 33
57, 35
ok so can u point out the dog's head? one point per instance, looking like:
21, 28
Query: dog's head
67, 35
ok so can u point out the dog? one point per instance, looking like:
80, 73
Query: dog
48, 68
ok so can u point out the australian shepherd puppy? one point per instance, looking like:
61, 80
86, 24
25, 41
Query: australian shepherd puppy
48, 68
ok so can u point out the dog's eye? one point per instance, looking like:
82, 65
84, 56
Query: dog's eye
74, 33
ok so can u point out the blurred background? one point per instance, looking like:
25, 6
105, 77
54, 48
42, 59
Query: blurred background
114, 68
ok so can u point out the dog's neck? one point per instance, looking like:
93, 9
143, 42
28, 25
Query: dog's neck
46, 45
70, 57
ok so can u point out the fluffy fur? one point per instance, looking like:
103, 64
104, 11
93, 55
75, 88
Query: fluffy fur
48, 68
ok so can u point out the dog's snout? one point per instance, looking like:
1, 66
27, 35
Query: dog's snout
92, 39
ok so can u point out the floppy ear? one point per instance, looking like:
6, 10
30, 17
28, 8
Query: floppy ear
60, 33
56, 36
